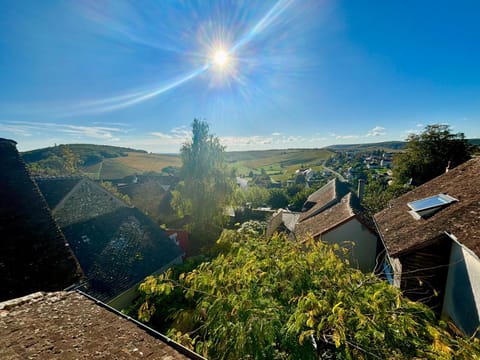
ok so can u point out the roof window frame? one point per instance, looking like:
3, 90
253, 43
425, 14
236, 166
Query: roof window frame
430, 208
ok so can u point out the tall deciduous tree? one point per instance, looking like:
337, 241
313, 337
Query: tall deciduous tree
277, 299
206, 186
429, 153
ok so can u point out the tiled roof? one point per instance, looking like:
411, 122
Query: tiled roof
327, 219
34, 254
68, 325
402, 233
55, 189
85, 201
116, 245
324, 197
119, 249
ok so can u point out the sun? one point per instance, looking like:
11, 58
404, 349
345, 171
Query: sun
220, 58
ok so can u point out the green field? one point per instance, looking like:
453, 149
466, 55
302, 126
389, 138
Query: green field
133, 163
279, 164
108, 162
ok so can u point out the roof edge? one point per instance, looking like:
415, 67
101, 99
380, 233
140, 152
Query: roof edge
152, 332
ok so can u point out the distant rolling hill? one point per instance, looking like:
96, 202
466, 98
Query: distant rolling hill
97, 161
386, 146
112, 162
88, 154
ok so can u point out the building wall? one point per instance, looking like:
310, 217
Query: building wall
462, 294
364, 252
274, 222
424, 273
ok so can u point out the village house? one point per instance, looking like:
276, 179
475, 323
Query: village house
306, 173
432, 244
332, 214
116, 245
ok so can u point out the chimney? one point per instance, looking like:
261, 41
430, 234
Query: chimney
361, 188
448, 166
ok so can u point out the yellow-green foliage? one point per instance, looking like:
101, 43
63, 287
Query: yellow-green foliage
272, 298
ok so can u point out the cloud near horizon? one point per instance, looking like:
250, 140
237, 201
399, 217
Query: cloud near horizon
376, 131
77, 132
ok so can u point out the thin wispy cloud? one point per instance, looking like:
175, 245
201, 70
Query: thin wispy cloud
25, 128
199, 57
175, 136
376, 131
346, 137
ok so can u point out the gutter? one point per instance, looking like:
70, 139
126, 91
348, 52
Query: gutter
180, 348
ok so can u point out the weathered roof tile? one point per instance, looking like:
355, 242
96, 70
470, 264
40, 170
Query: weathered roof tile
402, 233
67, 325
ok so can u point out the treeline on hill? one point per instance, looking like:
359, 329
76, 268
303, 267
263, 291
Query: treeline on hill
66, 159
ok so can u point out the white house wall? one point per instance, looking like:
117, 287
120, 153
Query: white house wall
364, 252
462, 293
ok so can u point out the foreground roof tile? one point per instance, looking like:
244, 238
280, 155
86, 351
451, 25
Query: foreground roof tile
68, 325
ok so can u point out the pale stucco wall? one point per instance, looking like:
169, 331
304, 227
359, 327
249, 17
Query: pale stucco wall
363, 253
462, 293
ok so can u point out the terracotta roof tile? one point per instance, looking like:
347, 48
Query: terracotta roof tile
402, 233
327, 219
324, 197
67, 325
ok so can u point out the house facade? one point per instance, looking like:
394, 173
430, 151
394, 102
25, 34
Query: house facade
332, 214
432, 244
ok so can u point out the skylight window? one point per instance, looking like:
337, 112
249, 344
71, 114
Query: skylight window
428, 206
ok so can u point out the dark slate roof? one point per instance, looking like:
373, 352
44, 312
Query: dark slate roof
68, 325
401, 233
119, 249
329, 219
55, 189
87, 200
324, 197
34, 254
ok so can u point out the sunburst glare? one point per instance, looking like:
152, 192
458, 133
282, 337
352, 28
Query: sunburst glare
234, 51
220, 58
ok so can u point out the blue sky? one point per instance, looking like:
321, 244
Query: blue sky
298, 73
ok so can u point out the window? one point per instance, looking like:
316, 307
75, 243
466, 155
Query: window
426, 207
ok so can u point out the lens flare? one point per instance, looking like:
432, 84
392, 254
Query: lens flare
220, 58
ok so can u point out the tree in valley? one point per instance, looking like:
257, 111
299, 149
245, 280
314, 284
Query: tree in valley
206, 185
253, 196
277, 299
428, 154
278, 199
379, 193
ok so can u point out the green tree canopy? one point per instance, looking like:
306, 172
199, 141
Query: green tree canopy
378, 194
277, 299
278, 199
207, 186
428, 154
